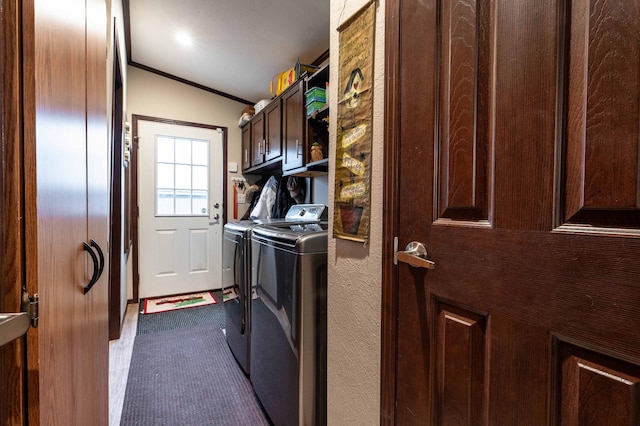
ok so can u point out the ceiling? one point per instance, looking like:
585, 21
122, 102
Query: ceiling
237, 46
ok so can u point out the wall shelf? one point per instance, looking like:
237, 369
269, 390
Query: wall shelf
316, 168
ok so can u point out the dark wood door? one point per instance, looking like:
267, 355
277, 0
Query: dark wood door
246, 146
258, 141
66, 205
293, 127
12, 355
273, 130
513, 131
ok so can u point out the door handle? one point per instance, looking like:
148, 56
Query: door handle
98, 264
95, 245
415, 254
13, 326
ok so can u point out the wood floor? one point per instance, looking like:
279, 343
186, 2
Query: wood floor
119, 359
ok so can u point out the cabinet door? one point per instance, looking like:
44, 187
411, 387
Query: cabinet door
293, 125
64, 109
257, 139
246, 146
273, 130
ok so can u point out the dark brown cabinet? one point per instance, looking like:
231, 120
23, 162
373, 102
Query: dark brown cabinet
262, 140
272, 146
257, 139
246, 146
301, 131
280, 136
293, 127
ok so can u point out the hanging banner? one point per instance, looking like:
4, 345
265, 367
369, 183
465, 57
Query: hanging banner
352, 206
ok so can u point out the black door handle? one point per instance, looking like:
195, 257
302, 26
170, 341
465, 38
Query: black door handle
100, 255
96, 267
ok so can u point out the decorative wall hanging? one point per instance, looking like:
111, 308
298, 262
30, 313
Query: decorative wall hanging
352, 205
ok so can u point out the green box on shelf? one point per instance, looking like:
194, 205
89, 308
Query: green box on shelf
315, 94
314, 106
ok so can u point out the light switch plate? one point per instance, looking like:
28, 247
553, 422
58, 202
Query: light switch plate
242, 198
232, 167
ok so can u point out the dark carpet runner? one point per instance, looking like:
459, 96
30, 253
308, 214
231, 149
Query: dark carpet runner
187, 376
199, 315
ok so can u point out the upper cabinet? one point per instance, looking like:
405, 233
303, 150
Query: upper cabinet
246, 147
273, 131
262, 140
291, 133
258, 140
294, 127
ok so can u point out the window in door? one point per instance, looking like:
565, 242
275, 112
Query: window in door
182, 176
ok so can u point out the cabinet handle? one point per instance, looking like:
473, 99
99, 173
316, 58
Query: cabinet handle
246, 156
96, 267
298, 153
262, 146
267, 147
100, 257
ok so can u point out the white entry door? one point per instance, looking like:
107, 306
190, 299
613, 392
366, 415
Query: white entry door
180, 193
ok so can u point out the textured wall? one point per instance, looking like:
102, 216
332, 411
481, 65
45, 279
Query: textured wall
354, 270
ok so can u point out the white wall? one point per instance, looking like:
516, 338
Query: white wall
153, 95
355, 271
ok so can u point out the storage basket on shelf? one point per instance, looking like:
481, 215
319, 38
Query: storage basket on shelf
315, 99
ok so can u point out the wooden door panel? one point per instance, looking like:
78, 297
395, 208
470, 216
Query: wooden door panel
591, 382
257, 139
603, 108
293, 123
464, 119
273, 130
519, 370
460, 342
530, 212
524, 113
246, 146
12, 356
97, 300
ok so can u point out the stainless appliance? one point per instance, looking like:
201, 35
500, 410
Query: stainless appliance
236, 275
289, 322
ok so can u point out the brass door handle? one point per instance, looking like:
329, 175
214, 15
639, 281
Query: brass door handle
415, 254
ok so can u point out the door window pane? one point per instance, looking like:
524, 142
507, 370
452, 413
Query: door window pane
182, 177
201, 153
183, 203
165, 149
200, 177
165, 176
165, 202
183, 151
200, 202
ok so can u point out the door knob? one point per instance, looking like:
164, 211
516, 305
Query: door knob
216, 205
415, 254
13, 326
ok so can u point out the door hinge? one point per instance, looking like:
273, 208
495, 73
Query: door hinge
30, 305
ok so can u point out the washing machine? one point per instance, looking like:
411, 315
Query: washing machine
237, 268
289, 322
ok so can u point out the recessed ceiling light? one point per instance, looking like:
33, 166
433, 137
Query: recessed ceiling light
184, 39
